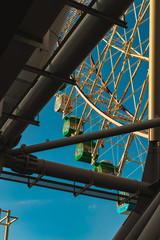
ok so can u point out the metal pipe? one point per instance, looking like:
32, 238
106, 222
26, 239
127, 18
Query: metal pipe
154, 69
11, 116
87, 137
76, 174
96, 13
49, 74
152, 229
141, 223
85, 37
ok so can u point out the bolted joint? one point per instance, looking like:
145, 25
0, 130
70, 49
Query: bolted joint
28, 164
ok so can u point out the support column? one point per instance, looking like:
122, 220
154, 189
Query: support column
152, 229
7, 225
154, 67
152, 166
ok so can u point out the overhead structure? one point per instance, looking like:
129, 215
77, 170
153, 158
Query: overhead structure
65, 61
53, 43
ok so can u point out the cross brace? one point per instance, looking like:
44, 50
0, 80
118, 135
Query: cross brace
96, 13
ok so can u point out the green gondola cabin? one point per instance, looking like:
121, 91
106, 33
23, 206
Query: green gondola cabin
105, 166
63, 87
84, 152
70, 126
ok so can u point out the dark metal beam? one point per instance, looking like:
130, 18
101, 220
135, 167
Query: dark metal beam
140, 225
62, 186
87, 137
96, 13
82, 190
49, 74
79, 44
152, 229
12, 116
62, 171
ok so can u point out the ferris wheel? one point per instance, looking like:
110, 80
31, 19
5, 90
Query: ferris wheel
111, 90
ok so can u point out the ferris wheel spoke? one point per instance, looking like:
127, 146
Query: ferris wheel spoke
124, 156
114, 143
131, 53
131, 80
127, 49
131, 136
135, 154
103, 88
95, 81
111, 90
143, 113
130, 160
98, 142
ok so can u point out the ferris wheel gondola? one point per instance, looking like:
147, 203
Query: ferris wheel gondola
112, 90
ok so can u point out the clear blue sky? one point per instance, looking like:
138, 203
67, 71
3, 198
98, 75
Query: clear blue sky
46, 214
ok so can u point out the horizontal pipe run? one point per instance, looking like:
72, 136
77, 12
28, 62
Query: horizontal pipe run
62, 171
96, 13
75, 49
87, 137
49, 74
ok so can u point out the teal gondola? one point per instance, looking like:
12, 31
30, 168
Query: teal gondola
124, 208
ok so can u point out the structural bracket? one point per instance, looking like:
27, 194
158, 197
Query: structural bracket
127, 199
155, 186
35, 181
49, 74
32, 40
18, 118
82, 190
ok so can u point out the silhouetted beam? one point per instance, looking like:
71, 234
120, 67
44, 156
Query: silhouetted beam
80, 43
152, 229
12, 116
87, 137
19, 15
62, 186
49, 74
96, 13
140, 225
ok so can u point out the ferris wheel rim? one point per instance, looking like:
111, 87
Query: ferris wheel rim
104, 115
108, 117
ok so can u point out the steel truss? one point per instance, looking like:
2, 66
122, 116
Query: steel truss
63, 186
